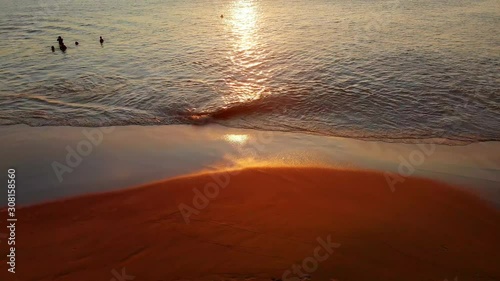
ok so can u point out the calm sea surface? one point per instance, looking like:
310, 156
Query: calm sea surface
374, 69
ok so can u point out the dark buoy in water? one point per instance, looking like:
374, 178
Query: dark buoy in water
221, 16
101, 40
76, 43
53, 49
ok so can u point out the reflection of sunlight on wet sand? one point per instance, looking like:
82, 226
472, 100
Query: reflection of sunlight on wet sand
248, 153
243, 24
236, 139
233, 162
244, 84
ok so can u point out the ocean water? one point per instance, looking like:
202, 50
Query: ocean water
395, 70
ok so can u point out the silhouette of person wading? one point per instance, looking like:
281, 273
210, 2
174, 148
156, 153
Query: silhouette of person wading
61, 44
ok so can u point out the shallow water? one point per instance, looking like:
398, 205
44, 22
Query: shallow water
382, 70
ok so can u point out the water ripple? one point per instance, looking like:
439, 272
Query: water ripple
384, 70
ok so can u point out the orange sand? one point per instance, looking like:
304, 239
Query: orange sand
264, 221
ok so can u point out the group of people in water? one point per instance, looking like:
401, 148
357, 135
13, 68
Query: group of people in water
63, 47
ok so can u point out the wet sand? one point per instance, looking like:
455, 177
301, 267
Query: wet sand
256, 224
123, 157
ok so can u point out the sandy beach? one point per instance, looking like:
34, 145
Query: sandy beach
257, 223
215, 203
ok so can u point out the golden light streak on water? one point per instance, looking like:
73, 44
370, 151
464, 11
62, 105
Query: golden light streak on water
244, 54
236, 139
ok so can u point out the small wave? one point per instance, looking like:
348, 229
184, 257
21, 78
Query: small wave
9, 28
34, 31
268, 112
260, 106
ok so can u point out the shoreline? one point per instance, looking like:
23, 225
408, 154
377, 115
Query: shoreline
121, 157
198, 124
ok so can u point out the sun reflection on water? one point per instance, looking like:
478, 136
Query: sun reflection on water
245, 79
244, 22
